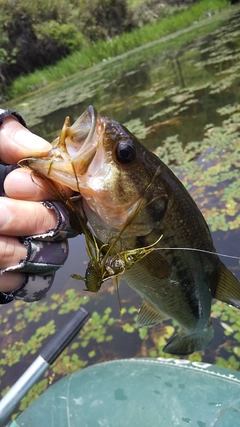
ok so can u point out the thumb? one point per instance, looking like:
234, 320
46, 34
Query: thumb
17, 142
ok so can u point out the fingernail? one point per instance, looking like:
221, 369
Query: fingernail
33, 143
4, 215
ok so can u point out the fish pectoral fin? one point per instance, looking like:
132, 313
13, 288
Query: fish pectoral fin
156, 265
186, 344
148, 315
228, 287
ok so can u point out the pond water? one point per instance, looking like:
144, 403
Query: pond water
181, 97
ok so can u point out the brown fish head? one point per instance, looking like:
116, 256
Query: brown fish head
116, 176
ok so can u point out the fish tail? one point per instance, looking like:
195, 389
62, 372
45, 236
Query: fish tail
187, 344
228, 287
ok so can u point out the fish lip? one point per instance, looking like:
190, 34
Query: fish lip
82, 159
92, 113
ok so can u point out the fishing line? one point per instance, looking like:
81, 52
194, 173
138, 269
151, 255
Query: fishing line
200, 250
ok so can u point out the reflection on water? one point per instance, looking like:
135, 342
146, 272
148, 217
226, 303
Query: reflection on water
187, 83
159, 92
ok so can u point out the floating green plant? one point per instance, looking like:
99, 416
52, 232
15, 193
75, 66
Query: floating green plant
137, 128
35, 391
33, 312
97, 328
215, 162
68, 363
69, 301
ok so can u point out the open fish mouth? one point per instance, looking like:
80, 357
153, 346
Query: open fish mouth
76, 138
72, 152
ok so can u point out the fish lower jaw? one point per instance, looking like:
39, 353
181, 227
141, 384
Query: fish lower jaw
62, 175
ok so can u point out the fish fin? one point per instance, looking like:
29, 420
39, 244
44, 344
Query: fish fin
148, 315
187, 344
156, 265
228, 287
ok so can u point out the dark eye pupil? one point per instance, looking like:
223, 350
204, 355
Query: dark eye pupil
125, 152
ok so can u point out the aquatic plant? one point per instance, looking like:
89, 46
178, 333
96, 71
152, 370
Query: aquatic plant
35, 391
217, 169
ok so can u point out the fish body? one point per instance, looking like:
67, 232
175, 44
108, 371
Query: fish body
131, 198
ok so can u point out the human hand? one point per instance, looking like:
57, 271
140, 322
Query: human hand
21, 214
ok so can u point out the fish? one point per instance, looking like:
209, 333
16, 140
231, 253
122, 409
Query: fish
132, 201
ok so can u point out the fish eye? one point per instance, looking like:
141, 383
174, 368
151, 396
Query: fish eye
125, 152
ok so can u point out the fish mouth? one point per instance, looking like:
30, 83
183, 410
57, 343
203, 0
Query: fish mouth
72, 152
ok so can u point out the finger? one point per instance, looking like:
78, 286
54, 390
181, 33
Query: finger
24, 218
17, 142
23, 184
11, 251
9, 281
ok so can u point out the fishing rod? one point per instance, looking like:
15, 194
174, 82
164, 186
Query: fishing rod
47, 356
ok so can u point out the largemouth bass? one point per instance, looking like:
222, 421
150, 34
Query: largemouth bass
131, 199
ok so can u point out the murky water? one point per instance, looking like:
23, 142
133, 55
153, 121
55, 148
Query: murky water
167, 94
